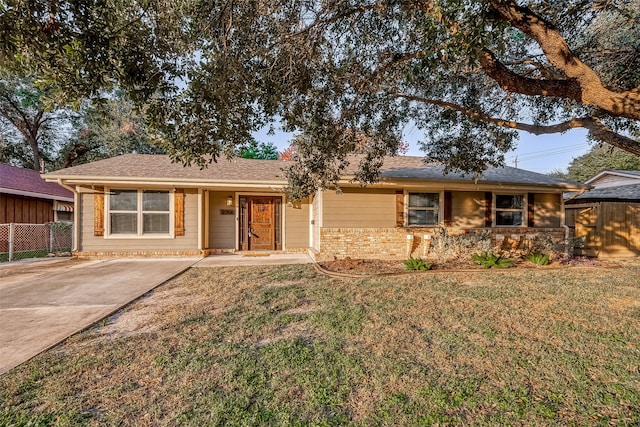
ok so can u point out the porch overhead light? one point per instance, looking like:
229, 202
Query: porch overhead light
229, 201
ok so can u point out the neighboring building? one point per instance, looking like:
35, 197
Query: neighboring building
26, 198
608, 217
614, 178
146, 205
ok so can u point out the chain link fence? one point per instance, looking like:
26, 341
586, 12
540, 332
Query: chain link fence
20, 241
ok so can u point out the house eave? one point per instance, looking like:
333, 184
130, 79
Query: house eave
455, 185
345, 182
163, 182
35, 195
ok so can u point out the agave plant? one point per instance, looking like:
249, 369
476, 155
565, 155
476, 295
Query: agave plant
491, 260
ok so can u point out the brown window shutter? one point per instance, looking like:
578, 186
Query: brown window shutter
531, 198
399, 208
447, 208
179, 212
98, 212
488, 202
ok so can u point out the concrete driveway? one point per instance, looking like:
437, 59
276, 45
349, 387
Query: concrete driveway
44, 302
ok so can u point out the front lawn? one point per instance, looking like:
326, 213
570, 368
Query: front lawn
285, 346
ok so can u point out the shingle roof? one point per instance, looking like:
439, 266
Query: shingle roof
414, 168
629, 192
160, 167
16, 180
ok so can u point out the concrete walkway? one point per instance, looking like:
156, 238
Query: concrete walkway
42, 303
239, 260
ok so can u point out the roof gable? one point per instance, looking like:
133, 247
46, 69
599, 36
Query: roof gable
614, 177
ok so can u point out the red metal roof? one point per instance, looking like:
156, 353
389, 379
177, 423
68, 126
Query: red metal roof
15, 180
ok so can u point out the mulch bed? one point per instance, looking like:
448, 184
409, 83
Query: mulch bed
367, 267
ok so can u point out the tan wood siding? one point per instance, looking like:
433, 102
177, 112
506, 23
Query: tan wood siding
359, 208
546, 210
613, 181
467, 209
297, 226
25, 210
222, 228
90, 243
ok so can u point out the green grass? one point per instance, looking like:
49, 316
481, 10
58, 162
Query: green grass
284, 346
35, 253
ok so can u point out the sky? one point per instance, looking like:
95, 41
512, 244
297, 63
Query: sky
537, 153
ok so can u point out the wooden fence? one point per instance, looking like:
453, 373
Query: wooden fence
609, 229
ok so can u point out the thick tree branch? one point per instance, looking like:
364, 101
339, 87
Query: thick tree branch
74, 153
557, 51
513, 82
597, 129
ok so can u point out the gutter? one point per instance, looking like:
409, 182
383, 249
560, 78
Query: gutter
578, 194
76, 214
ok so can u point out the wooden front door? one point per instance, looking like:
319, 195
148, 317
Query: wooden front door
261, 223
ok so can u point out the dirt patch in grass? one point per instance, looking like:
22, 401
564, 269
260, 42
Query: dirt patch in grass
370, 267
286, 346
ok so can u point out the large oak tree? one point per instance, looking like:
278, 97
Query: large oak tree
468, 73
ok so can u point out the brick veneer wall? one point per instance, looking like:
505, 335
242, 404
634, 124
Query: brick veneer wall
390, 243
137, 254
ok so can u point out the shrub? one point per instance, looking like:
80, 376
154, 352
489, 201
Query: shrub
538, 258
446, 247
417, 264
491, 260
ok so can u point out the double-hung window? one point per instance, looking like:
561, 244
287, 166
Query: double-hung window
139, 212
423, 209
509, 209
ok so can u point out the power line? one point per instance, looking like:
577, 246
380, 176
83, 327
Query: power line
581, 145
544, 154
549, 154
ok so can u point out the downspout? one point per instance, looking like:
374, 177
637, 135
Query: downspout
76, 203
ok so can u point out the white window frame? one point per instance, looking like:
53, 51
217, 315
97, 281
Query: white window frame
139, 215
524, 210
439, 209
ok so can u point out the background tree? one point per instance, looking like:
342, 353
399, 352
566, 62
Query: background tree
61, 138
258, 150
29, 133
289, 153
468, 74
111, 128
599, 158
